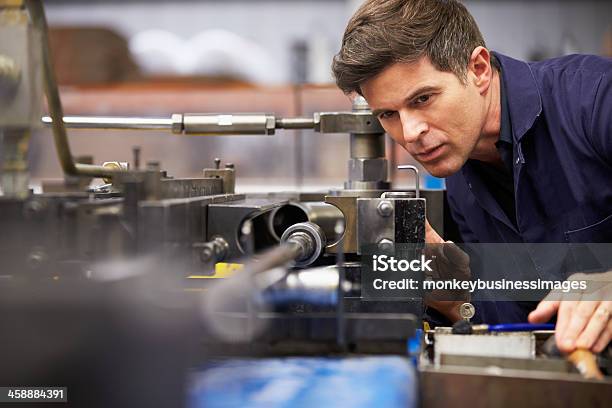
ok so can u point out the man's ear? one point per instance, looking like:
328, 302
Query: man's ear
480, 71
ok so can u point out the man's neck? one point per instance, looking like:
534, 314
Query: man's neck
485, 149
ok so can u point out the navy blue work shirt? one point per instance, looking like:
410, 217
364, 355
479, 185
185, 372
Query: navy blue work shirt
561, 116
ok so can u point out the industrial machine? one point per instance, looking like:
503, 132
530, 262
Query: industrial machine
142, 278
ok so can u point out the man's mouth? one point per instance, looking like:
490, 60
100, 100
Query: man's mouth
430, 154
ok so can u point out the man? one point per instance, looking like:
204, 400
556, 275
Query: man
526, 147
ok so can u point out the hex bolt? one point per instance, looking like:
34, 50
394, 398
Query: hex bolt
217, 163
385, 245
229, 165
385, 208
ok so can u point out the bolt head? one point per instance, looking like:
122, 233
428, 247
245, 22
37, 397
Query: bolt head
467, 311
385, 209
385, 245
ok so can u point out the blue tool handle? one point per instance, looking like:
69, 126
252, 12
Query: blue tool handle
511, 327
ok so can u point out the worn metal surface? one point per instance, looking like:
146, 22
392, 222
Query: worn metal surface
410, 220
513, 345
372, 226
559, 365
348, 206
347, 122
176, 219
495, 387
191, 187
404, 224
227, 175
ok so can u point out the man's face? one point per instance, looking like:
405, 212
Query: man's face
431, 113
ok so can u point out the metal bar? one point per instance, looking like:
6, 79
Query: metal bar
109, 122
228, 124
39, 21
141, 123
274, 258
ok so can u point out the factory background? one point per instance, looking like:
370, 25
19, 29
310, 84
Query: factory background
251, 56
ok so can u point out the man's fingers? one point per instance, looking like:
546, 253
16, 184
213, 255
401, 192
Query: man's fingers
604, 339
450, 309
456, 255
545, 310
431, 236
566, 307
596, 326
581, 315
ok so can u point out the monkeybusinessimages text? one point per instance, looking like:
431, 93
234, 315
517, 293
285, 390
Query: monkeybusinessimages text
386, 263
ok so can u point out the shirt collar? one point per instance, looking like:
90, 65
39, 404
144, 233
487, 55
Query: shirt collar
522, 95
505, 131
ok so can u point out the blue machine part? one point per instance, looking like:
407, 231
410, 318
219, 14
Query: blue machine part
413, 346
300, 382
515, 327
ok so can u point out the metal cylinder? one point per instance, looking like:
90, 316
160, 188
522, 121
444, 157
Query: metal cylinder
367, 146
310, 240
295, 123
274, 258
367, 165
234, 124
324, 215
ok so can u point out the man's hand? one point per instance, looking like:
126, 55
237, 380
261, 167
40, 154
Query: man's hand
431, 236
583, 323
449, 262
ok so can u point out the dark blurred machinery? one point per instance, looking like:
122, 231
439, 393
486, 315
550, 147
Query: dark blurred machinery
148, 251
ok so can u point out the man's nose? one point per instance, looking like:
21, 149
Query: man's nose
412, 127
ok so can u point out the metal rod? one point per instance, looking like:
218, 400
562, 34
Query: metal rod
274, 258
109, 122
170, 124
62, 146
295, 123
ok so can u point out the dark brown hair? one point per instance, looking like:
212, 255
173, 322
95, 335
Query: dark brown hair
383, 32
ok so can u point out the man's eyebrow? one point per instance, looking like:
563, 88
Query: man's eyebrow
420, 91
414, 94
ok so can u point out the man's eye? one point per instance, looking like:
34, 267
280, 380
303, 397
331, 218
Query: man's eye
386, 115
422, 99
